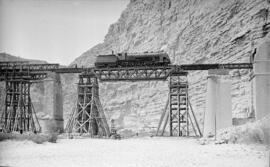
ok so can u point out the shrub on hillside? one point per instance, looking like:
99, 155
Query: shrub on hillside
255, 132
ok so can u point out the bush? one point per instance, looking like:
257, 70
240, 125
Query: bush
255, 132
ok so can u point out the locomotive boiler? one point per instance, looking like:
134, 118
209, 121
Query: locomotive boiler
133, 59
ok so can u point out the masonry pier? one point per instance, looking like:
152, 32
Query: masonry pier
218, 112
262, 81
53, 102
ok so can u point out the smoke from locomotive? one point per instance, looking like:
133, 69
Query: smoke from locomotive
133, 59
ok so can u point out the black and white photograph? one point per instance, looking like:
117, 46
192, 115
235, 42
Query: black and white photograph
135, 83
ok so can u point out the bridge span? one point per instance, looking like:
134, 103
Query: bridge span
39, 71
89, 117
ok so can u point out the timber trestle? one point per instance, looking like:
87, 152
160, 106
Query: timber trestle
178, 111
19, 114
88, 117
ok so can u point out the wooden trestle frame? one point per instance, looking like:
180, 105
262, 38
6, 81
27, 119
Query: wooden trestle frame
19, 114
88, 116
178, 110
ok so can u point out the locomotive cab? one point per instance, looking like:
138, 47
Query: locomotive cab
121, 56
163, 59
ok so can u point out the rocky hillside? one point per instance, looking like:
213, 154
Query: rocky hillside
9, 57
194, 31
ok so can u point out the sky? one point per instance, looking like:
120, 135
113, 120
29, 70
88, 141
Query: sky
57, 31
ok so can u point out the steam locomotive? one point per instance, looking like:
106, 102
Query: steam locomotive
132, 59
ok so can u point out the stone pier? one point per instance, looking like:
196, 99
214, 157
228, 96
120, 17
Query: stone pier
53, 105
262, 80
218, 113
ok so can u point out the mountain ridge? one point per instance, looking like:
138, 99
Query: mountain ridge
8, 57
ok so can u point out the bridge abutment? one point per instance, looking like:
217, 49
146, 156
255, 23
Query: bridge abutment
53, 100
262, 81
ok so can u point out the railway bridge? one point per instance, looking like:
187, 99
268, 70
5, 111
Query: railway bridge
89, 118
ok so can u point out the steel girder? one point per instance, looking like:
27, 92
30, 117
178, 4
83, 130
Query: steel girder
133, 74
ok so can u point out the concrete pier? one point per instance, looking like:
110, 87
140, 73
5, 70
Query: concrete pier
224, 107
53, 105
262, 81
218, 113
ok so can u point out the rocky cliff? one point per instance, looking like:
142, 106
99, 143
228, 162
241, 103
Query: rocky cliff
194, 31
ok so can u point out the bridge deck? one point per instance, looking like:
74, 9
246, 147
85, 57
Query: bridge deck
38, 71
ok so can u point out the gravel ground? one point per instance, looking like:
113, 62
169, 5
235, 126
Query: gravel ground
156, 152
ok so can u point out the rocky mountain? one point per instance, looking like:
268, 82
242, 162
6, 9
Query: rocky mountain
194, 31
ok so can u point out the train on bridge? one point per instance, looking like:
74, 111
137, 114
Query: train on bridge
133, 59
